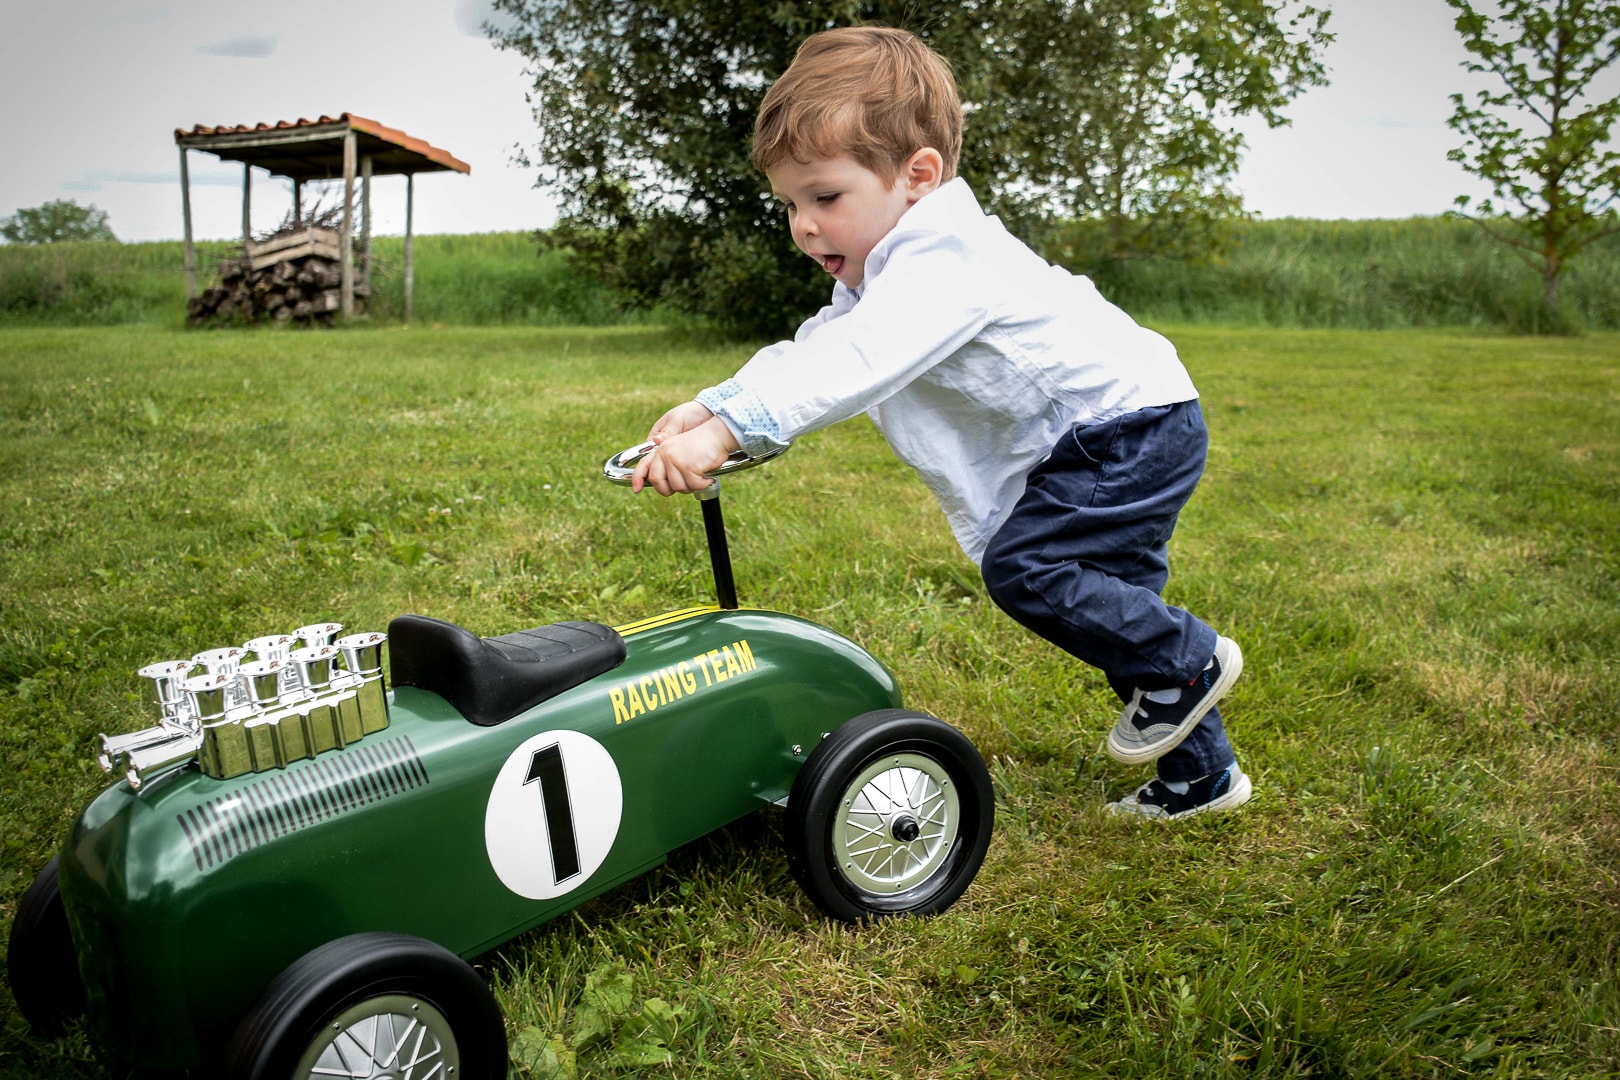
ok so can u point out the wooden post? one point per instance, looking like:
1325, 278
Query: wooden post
410, 183
185, 210
346, 240
365, 219
247, 206
298, 204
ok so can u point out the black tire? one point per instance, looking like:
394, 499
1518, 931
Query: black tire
369, 990
890, 815
41, 964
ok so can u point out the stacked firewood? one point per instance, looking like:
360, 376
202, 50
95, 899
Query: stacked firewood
293, 277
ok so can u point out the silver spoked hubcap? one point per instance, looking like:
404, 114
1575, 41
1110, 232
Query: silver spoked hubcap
898, 822
393, 1037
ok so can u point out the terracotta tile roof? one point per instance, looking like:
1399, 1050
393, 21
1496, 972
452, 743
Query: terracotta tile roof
280, 148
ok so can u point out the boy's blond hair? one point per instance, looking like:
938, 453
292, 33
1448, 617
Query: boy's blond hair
874, 93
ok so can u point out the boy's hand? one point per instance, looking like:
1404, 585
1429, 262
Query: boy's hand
681, 418
682, 461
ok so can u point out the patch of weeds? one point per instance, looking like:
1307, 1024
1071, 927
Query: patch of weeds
612, 1028
30, 661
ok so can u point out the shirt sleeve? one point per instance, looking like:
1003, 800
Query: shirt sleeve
751, 422
917, 307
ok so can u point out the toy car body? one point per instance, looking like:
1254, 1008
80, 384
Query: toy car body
297, 917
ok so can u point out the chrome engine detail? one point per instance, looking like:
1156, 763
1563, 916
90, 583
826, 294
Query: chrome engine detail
277, 699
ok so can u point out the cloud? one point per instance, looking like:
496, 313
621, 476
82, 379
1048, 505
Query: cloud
136, 18
93, 181
252, 46
147, 178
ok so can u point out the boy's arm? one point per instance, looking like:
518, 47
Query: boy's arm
845, 359
926, 303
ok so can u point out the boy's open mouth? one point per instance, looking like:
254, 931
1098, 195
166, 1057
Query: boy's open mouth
833, 264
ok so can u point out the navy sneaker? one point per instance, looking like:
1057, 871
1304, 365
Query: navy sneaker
1225, 790
1150, 727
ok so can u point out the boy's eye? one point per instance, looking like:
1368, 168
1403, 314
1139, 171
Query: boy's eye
830, 197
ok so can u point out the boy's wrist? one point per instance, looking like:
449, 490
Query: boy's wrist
746, 417
730, 437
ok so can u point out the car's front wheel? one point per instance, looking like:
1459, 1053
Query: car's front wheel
372, 1005
890, 815
40, 962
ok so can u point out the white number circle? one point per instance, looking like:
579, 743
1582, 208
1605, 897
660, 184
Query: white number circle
553, 814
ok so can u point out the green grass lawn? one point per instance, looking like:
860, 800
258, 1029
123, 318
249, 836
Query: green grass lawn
1414, 535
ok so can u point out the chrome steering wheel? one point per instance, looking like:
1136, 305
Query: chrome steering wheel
622, 465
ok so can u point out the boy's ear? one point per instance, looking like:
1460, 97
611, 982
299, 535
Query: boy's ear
922, 172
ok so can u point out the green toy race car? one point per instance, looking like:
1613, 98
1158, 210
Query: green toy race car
298, 862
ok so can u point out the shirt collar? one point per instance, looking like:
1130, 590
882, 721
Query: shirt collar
947, 207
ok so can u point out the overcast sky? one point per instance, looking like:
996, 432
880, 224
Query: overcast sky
93, 92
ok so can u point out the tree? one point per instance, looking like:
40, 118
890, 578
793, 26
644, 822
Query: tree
1115, 112
1555, 189
63, 219
1120, 120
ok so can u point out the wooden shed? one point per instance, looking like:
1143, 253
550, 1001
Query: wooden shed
347, 146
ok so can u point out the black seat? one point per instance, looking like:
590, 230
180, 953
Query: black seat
491, 680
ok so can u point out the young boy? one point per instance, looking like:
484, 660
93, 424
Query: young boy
1060, 438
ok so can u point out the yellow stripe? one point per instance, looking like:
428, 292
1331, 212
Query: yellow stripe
663, 620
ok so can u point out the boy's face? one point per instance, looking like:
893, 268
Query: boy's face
838, 209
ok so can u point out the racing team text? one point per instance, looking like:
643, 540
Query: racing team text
633, 697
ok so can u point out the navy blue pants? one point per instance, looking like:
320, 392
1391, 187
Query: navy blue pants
1084, 557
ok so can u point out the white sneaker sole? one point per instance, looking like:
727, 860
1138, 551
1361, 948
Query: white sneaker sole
1239, 794
1136, 755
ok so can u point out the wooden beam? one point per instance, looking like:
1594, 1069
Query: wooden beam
298, 204
410, 183
249, 139
365, 218
185, 210
347, 236
319, 242
247, 204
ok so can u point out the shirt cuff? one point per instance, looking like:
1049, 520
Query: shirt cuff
745, 414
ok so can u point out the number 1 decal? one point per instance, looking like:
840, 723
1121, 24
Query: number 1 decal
553, 814
546, 769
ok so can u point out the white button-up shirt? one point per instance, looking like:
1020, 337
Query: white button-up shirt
971, 353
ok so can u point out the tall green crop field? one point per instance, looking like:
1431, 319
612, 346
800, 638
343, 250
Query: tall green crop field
1418, 272
484, 279
102, 283
1421, 272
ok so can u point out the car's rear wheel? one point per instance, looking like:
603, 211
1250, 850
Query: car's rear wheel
40, 962
890, 815
372, 1005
